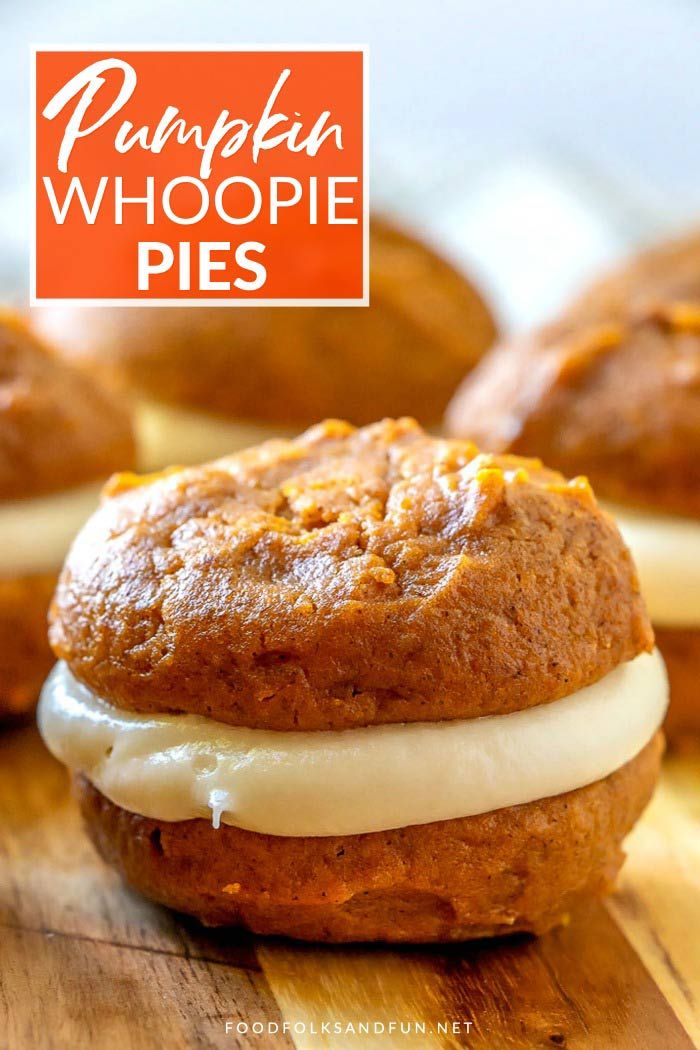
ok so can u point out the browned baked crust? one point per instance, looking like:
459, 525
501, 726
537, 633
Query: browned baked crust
348, 578
680, 647
617, 402
665, 272
521, 868
57, 428
426, 326
25, 656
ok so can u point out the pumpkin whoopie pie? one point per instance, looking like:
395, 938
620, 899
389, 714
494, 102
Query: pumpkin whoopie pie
620, 402
60, 437
208, 381
362, 685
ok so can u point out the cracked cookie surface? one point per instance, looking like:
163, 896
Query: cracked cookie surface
347, 578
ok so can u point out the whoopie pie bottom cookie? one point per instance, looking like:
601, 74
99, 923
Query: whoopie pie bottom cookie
522, 868
25, 656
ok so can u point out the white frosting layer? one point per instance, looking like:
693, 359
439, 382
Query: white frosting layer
667, 554
36, 533
176, 767
169, 435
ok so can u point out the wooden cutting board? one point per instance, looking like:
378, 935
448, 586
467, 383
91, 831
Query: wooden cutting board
84, 963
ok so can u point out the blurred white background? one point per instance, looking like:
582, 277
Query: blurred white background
535, 139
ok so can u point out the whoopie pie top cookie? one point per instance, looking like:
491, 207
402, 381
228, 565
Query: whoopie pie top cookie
347, 578
57, 428
426, 326
669, 271
617, 401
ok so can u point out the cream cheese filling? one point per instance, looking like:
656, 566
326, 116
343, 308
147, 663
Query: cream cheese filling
168, 434
35, 533
666, 551
178, 767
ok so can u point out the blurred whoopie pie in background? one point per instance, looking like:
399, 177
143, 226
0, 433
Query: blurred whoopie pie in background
60, 438
612, 390
666, 272
209, 380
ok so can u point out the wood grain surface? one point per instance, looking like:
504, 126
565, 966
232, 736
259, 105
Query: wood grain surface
85, 963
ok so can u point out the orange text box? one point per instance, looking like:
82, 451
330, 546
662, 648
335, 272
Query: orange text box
219, 176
